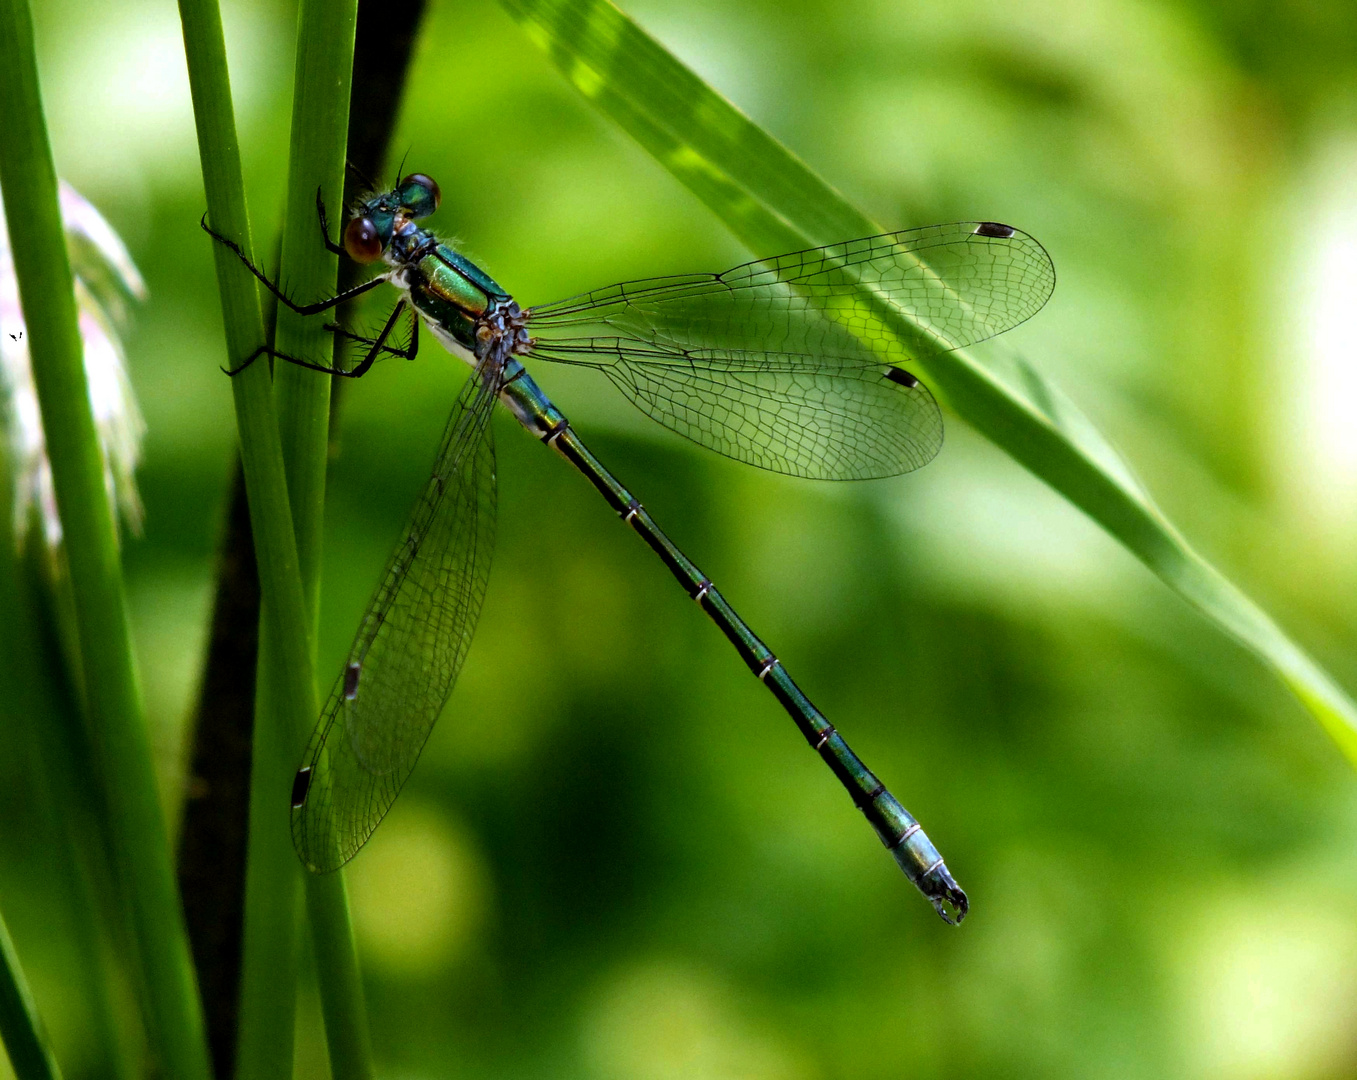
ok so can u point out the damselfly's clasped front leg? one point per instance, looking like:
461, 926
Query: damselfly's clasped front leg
377, 345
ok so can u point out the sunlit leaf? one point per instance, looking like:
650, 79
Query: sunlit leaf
774, 203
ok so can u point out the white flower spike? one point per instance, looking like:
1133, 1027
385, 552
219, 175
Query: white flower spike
105, 279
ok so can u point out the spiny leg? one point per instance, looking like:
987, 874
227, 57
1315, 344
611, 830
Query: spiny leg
358, 339
378, 346
330, 245
283, 298
310, 365
409, 352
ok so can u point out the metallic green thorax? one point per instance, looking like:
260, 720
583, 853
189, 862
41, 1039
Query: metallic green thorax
453, 292
449, 290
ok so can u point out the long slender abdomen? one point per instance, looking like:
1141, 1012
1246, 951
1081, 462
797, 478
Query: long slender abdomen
897, 829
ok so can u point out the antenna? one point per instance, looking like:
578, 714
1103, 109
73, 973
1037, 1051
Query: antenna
359, 173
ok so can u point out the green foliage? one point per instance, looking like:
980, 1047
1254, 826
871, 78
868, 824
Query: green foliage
616, 858
115, 722
774, 203
287, 695
20, 1026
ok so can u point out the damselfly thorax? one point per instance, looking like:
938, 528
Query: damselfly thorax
469, 314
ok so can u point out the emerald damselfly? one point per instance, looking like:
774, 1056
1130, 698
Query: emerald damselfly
792, 364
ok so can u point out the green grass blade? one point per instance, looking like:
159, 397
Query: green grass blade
286, 702
320, 115
20, 1026
112, 697
320, 121
266, 1020
63, 789
774, 203
287, 699
347, 1038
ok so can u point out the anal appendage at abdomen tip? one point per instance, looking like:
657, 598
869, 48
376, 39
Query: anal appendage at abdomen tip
923, 865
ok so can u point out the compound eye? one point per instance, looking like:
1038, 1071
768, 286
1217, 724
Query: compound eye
431, 195
361, 240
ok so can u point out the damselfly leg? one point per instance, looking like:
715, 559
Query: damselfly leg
378, 346
283, 298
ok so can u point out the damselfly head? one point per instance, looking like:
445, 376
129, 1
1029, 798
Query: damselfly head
377, 219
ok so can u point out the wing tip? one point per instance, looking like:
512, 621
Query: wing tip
996, 230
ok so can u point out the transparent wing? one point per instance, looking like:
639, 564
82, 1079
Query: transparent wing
790, 363
409, 649
821, 417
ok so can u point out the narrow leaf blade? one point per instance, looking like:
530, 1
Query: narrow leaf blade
773, 202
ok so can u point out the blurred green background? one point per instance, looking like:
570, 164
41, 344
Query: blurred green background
617, 858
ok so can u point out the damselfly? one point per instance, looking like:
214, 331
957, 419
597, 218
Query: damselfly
792, 363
